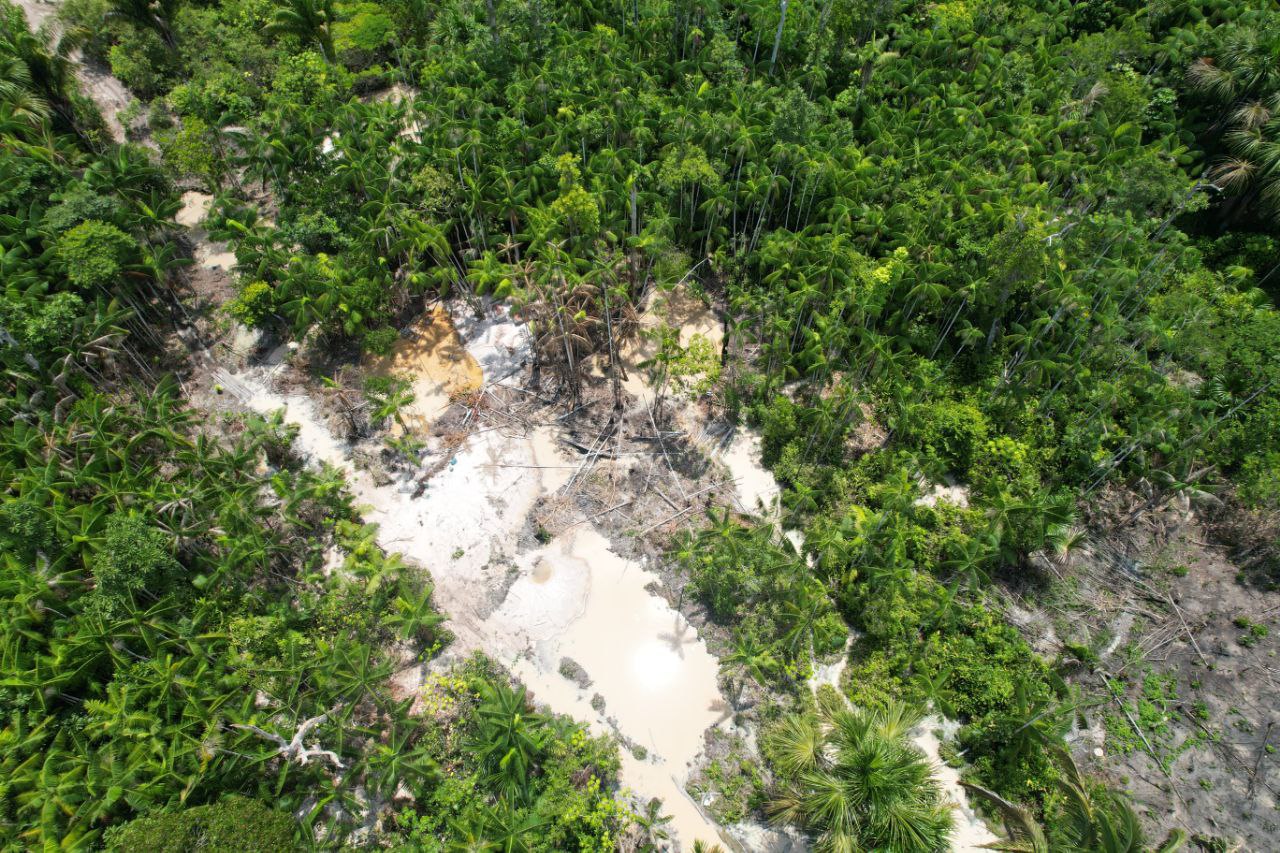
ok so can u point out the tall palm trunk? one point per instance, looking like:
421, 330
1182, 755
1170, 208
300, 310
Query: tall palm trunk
777, 38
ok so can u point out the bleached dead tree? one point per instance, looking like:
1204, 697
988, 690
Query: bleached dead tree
294, 749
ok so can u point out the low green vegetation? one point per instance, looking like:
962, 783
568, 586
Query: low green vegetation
1254, 632
234, 824
854, 782
1147, 722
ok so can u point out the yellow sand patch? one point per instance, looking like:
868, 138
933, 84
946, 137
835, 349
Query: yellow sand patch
678, 309
436, 363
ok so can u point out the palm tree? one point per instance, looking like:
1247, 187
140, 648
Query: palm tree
853, 780
510, 739
155, 15
310, 20
37, 75
17, 93
1242, 80
652, 823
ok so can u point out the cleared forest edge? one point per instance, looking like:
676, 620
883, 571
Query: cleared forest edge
573, 598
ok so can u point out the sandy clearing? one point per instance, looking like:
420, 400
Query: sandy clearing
208, 254
971, 833
573, 597
953, 494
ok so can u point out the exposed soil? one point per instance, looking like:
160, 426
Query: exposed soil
1190, 651
433, 358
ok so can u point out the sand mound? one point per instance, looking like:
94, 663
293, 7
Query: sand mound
435, 360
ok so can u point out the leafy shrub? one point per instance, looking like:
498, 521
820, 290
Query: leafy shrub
141, 62
365, 32
234, 825
209, 98
434, 191
135, 558
948, 430
306, 80
191, 153
40, 328
253, 304
76, 204
380, 341
94, 253
22, 180
315, 231
24, 529
1004, 463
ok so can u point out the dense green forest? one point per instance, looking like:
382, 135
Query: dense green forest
1029, 247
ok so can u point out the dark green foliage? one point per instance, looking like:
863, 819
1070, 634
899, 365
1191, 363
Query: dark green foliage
234, 825
531, 780
134, 565
780, 615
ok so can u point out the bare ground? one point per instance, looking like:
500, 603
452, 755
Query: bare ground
1181, 689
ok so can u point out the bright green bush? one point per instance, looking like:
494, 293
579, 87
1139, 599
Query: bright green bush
234, 825
142, 62
366, 30
253, 304
190, 152
947, 430
210, 98
94, 254
306, 80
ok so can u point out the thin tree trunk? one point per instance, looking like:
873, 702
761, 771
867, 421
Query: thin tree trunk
777, 38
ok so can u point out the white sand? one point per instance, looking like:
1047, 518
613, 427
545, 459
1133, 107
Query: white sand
655, 674
971, 833
758, 491
571, 598
952, 494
